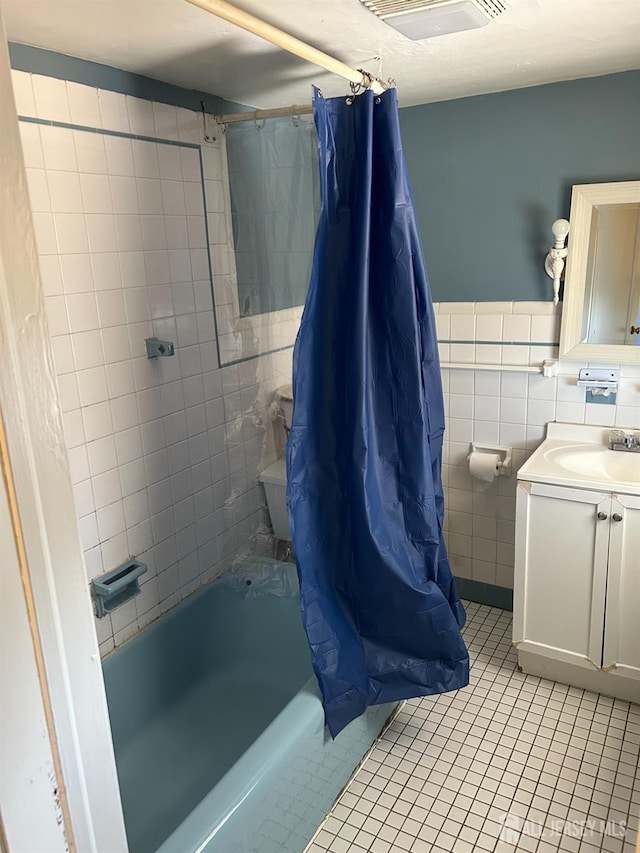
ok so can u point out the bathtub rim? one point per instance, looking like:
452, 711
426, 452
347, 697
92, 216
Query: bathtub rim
303, 711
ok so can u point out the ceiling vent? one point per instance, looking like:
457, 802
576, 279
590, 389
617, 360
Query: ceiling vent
423, 19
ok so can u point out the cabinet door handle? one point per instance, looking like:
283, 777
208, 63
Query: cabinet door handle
616, 516
602, 516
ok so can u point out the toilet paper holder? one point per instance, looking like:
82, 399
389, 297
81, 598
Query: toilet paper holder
504, 466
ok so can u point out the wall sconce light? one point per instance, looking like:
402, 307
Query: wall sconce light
554, 262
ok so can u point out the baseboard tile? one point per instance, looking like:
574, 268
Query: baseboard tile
485, 593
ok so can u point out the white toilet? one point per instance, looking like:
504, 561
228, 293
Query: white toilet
274, 478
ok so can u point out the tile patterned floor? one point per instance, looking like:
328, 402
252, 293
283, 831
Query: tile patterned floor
512, 763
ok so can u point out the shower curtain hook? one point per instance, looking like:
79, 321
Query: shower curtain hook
366, 83
295, 119
259, 127
367, 79
355, 88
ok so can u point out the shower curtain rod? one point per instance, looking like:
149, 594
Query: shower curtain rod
256, 115
261, 28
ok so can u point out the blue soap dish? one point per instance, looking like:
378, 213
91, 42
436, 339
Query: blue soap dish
113, 588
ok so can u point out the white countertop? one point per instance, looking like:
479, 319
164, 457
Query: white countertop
577, 455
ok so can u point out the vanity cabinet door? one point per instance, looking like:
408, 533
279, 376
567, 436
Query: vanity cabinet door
562, 542
622, 617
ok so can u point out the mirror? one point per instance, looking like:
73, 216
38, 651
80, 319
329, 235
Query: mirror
601, 309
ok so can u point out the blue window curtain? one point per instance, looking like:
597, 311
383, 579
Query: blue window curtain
364, 492
275, 200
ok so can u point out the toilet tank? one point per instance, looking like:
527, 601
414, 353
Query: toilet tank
274, 479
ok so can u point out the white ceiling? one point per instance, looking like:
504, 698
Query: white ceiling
536, 41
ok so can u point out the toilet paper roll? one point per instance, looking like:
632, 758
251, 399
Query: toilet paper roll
484, 466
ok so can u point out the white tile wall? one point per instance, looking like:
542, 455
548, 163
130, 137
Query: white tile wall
508, 409
164, 455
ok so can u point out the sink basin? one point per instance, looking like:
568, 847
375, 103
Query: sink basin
596, 462
577, 455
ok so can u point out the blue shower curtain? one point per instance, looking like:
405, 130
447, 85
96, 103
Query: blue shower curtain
364, 492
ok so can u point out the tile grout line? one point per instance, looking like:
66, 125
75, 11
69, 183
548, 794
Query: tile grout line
555, 756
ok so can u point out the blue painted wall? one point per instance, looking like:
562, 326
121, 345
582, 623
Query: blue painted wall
35, 60
490, 174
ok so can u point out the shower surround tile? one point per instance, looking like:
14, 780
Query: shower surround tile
121, 231
511, 763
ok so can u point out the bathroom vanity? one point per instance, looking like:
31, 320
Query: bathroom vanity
577, 562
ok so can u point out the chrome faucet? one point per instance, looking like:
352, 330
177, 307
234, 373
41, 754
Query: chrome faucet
620, 440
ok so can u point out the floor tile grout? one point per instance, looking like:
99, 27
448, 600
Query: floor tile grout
513, 762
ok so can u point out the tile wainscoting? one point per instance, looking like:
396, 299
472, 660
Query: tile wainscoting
505, 408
